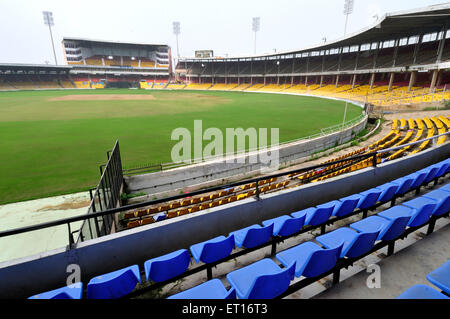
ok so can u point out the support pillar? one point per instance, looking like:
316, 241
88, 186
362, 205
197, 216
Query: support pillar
353, 81
391, 81
372, 80
321, 81
337, 80
434, 80
412, 80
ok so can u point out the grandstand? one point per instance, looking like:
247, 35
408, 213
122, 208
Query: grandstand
118, 64
402, 59
270, 236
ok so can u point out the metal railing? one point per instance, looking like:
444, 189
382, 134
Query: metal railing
108, 214
106, 196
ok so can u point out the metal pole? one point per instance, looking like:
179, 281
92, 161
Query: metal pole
178, 52
345, 28
53, 45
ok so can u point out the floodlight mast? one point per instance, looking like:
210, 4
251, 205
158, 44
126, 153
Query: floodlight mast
176, 31
48, 20
255, 27
348, 10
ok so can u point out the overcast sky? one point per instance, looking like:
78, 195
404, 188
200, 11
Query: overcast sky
222, 26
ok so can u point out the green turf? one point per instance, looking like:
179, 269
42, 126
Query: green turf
55, 147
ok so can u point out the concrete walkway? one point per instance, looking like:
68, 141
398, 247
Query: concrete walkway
39, 211
405, 268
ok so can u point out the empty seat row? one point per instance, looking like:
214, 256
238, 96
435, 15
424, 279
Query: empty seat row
265, 279
145, 220
350, 242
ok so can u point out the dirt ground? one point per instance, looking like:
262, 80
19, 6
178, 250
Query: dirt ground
103, 97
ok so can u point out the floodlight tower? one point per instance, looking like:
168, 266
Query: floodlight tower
176, 31
348, 10
255, 27
48, 20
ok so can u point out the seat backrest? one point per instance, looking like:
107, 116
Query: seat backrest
369, 199
388, 192
395, 228
431, 174
321, 215
166, 268
216, 251
418, 179
346, 207
258, 236
422, 215
321, 261
443, 167
292, 226
404, 186
271, 286
361, 244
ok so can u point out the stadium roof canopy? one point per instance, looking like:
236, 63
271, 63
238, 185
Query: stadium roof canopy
90, 42
14, 67
391, 26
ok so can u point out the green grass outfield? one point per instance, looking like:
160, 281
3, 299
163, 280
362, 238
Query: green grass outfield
55, 147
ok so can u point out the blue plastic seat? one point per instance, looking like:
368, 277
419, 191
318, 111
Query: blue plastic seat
421, 292
261, 280
73, 291
445, 188
311, 260
389, 229
418, 179
213, 289
422, 209
442, 199
441, 277
368, 198
345, 206
387, 192
168, 266
442, 169
355, 244
431, 173
159, 217
404, 185
316, 215
252, 236
213, 250
113, 285
285, 225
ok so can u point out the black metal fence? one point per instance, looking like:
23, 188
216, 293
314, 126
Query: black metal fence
106, 196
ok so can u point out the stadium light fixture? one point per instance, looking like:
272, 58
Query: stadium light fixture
177, 31
48, 20
256, 27
348, 10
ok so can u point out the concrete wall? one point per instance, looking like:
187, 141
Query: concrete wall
25, 277
219, 171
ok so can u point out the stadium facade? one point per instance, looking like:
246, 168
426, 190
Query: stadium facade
95, 64
408, 49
